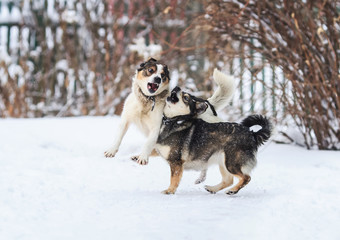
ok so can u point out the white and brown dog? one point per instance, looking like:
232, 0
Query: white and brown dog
145, 104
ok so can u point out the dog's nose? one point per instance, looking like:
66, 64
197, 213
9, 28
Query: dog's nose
157, 80
176, 90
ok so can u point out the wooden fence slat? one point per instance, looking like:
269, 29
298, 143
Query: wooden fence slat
273, 91
8, 39
263, 86
241, 77
252, 81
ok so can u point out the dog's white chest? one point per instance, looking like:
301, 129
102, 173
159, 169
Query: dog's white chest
146, 120
163, 150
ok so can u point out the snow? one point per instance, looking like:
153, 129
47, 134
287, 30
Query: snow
62, 65
4, 14
56, 184
70, 16
152, 50
4, 57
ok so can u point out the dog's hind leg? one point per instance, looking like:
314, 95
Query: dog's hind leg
202, 177
176, 176
227, 180
243, 180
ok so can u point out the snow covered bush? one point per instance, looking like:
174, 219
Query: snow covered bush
301, 38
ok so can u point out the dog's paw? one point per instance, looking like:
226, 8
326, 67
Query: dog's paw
140, 160
199, 180
168, 191
202, 177
210, 189
230, 192
110, 153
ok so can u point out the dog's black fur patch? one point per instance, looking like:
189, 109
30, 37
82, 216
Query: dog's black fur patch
149, 62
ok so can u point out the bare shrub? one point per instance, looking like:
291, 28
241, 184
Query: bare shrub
300, 37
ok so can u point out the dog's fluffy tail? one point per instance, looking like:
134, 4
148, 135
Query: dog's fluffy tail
224, 91
264, 133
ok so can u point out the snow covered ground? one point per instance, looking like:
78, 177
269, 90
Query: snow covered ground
56, 184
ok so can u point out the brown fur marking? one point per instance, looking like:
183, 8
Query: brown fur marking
154, 153
243, 180
227, 180
176, 176
147, 73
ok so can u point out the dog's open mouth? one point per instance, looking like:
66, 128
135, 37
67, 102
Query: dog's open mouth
153, 87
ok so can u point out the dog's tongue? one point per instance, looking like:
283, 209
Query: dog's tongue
153, 86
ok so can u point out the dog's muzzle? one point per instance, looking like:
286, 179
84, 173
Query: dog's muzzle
173, 98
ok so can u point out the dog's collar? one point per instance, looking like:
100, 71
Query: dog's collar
166, 120
178, 119
153, 98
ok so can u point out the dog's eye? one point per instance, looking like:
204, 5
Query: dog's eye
186, 98
163, 75
150, 70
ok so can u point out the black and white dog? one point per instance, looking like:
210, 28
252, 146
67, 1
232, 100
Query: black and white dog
188, 142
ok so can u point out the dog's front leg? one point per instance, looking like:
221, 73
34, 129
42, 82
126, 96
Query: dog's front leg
150, 144
176, 176
123, 127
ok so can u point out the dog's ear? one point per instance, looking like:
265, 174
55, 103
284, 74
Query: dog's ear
151, 60
142, 65
166, 69
166, 72
201, 107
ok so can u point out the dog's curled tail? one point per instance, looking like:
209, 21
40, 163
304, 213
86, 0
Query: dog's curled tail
264, 133
225, 90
